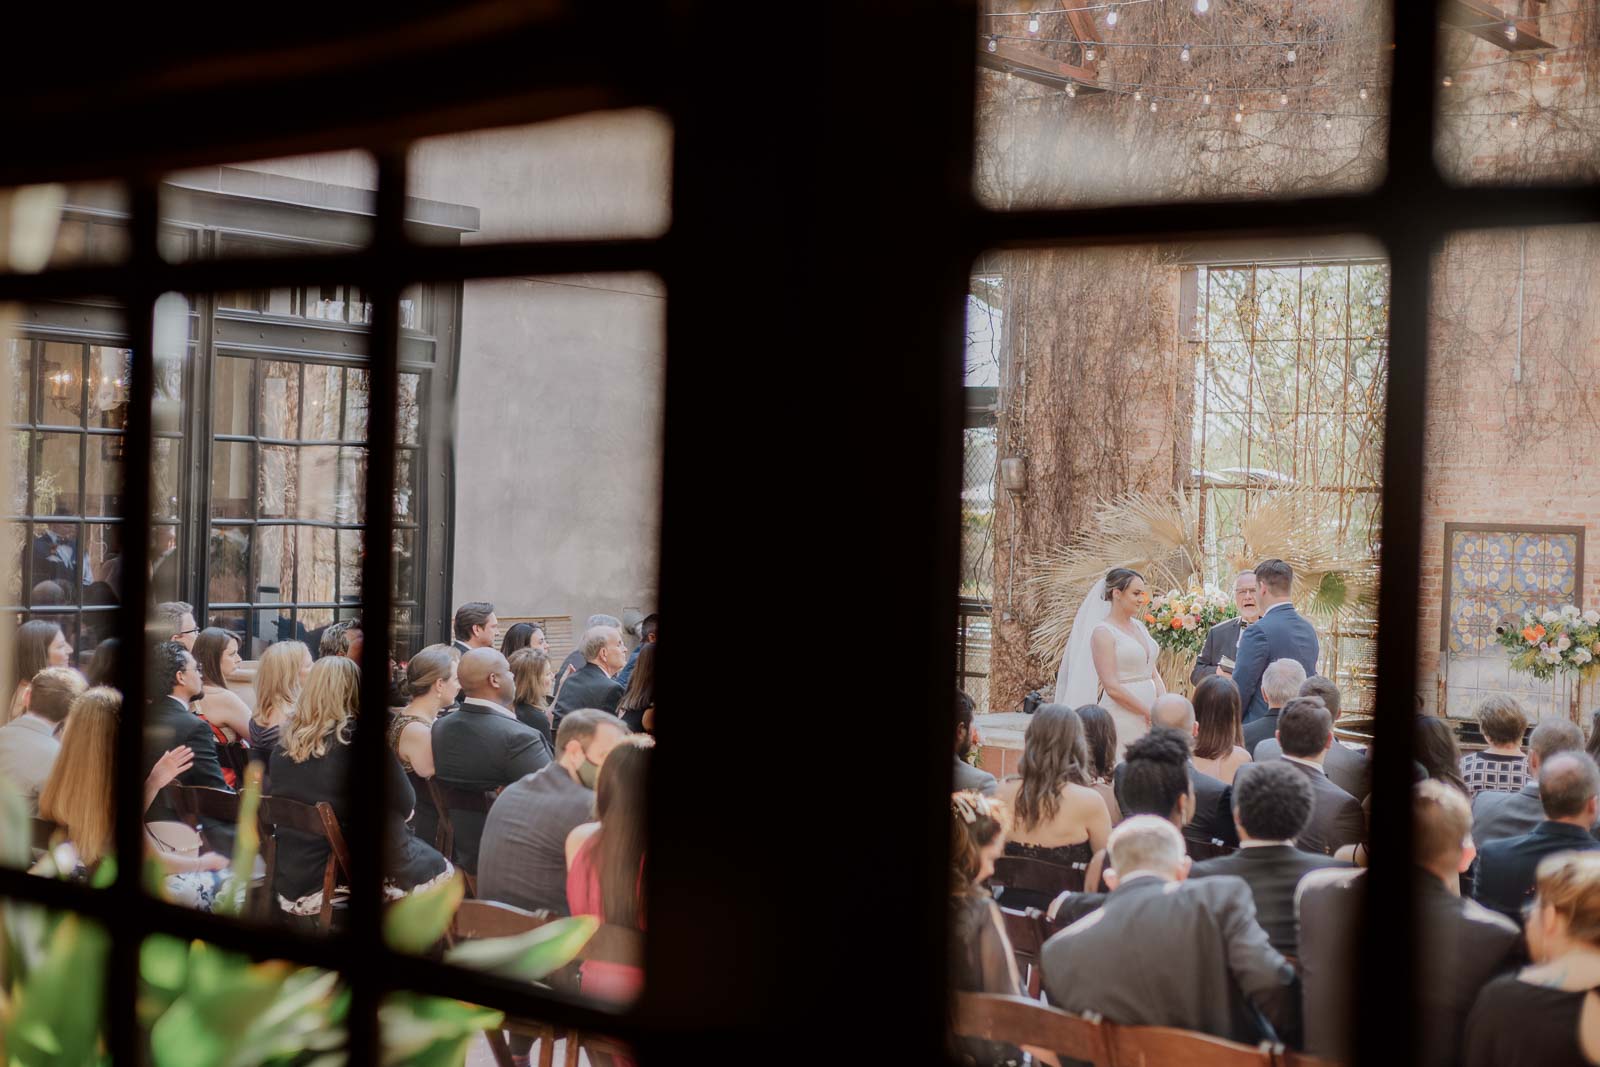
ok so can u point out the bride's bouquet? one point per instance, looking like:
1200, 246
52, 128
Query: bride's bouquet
1560, 641
1179, 621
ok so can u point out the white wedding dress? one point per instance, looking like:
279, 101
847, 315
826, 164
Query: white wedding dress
1078, 682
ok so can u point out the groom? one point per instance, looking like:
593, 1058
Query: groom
1280, 633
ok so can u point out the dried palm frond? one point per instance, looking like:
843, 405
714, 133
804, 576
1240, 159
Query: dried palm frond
1300, 527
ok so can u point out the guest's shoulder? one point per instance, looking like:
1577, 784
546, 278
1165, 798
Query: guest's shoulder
1223, 890
1483, 922
1216, 865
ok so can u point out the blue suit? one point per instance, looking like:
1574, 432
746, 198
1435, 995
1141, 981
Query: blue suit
1282, 633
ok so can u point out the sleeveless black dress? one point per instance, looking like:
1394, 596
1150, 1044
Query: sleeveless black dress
1077, 856
1519, 1024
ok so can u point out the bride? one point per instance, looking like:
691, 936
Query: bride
1111, 657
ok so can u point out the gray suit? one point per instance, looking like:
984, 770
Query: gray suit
969, 777
1500, 815
1336, 816
1175, 954
28, 749
1345, 766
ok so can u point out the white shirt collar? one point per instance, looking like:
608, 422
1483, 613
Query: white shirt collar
1307, 763
491, 705
1262, 844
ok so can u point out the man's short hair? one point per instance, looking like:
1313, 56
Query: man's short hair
1272, 800
1502, 719
1555, 735
596, 638
166, 660
169, 616
1567, 782
603, 620
580, 726
648, 626
1157, 773
335, 640
1276, 576
53, 691
1281, 681
1441, 820
965, 708
1243, 574
1145, 843
1324, 690
1303, 727
469, 615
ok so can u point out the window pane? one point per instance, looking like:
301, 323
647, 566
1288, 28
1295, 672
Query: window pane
229, 564
102, 491
60, 384
355, 405
316, 554
279, 412
166, 487
109, 376
65, 225
274, 565
56, 466
19, 376
230, 390
230, 479
323, 387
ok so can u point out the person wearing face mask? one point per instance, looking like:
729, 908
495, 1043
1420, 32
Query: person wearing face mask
523, 858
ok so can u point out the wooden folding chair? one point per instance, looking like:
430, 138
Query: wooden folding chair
1038, 876
199, 807
476, 919
1026, 931
317, 820
1018, 1021
446, 797
1157, 1046
1290, 1058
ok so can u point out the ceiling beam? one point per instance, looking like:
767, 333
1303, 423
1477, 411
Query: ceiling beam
1487, 22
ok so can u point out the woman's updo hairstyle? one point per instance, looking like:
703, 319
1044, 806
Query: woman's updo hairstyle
1119, 578
975, 821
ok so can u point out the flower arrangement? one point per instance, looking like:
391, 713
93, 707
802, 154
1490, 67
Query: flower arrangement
1562, 640
1179, 621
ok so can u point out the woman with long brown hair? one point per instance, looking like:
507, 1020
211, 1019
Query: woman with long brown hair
217, 652
1057, 815
430, 686
1100, 742
637, 707
39, 644
1219, 750
1439, 752
535, 681
605, 862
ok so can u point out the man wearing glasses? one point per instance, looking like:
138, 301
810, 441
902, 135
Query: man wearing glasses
174, 681
175, 622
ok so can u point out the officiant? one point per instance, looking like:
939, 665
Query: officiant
1222, 640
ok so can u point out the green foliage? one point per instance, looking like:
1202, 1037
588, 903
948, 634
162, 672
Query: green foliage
416, 923
423, 1031
531, 956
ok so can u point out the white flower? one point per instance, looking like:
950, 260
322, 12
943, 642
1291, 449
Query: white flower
1549, 655
1592, 617
1550, 617
1581, 655
1528, 617
1563, 643
1570, 611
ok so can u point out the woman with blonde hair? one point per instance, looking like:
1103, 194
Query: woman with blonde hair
431, 686
535, 678
312, 764
282, 672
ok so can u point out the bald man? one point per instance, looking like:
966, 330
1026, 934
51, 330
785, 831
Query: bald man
1569, 789
483, 746
1212, 827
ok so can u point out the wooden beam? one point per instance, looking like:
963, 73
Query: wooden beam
1487, 22
1035, 66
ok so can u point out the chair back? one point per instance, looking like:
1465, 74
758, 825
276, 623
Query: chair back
1290, 1058
1019, 1021
446, 797
476, 919
1027, 933
199, 807
1038, 876
1157, 1046
615, 944
317, 820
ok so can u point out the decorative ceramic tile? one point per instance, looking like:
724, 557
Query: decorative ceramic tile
1496, 574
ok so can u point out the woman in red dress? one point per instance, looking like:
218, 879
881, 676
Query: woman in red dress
605, 864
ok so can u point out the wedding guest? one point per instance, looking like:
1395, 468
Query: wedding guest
1305, 730
1280, 633
28, 743
1222, 640
1280, 683
344, 639
1497, 814
967, 776
535, 678
217, 652
522, 635
637, 707
1219, 745
482, 746
103, 666
1345, 765
1163, 951
1593, 747
1501, 767
1210, 820
279, 678
1100, 738
1547, 1014
1057, 815
576, 659
594, 684
39, 644
1271, 807
174, 621
1155, 779
648, 629
1438, 751
312, 764
605, 864
173, 677
1569, 789
981, 958
475, 626
431, 686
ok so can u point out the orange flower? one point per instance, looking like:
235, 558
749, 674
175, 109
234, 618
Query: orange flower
1149, 618
1532, 634
1177, 622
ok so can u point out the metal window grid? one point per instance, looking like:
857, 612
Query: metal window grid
748, 189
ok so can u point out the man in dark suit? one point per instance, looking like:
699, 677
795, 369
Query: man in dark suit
575, 659
174, 680
1569, 788
594, 684
1280, 683
1498, 815
1162, 951
483, 746
1305, 730
1222, 640
1210, 818
475, 626
1280, 633
649, 630
1346, 766
1272, 805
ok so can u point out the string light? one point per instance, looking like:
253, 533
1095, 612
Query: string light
1072, 89
1511, 32
1152, 105
993, 45
1448, 81
1184, 56
1543, 65
1512, 121
1238, 113
1033, 23
1290, 55
1088, 53
1138, 94
1202, 6
1206, 99
1283, 99
1363, 93
1111, 17
1327, 122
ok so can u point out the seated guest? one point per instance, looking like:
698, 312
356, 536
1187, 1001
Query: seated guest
522, 635
605, 864
28, 743
1211, 816
1569, 789
1497, 814
1280, 683
523, 860
279, 677
482, 746
475, 626
170, 722
1056, 816
576, 659
1271, 805
1345, 765
593, 685
431, 686
637, 707
968, 777
39, 644
1219, 742
1502, 767
981, 958
1100, 738
535, 678
1305, 732
1163, 951
103, 667
217, 652
1549, 1013
1438, 751
313, 763
1155, 779
174, 621
648, 629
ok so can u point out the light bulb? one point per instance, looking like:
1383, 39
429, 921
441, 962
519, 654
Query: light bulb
1202, 6
993, 44
1363, 93
1543, 65
1088, 53
1283, 99
1033, 24
1111, 17
1072, 89
1138, 94
1206, 100
1511, 31
1513, 121
1327, 122
1152, 105
1291, 55
1448, 81
1238, 115
1184, 55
